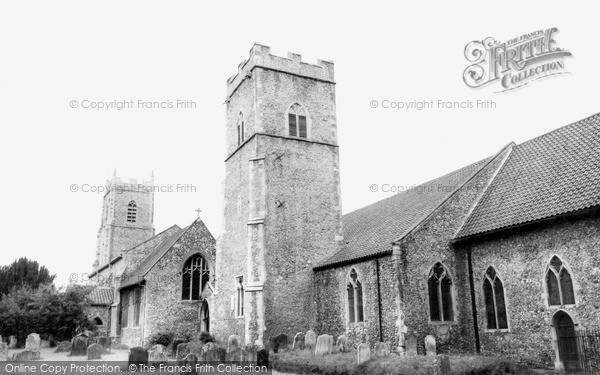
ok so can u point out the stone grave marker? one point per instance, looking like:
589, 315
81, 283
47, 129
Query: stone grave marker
183, 350
342, 344
324, 345
310, 340
411, 344
190, 360
262, 358
63, 347
381, 349
3, 352
234, 355
138, 356
234, 342
364, 353
249, 353
298, 343
27, 355
79, 345
444, 363
157, 354
94, 351
12, 342
105, 342
430, 345
33, 342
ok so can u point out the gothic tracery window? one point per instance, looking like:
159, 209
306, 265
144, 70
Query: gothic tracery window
297, 121
355, 298
240, 129
495, 305
440, 294
194, 279
131, 212
559, 284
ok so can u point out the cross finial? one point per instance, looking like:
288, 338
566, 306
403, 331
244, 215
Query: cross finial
198, 211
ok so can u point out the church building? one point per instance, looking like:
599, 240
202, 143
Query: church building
498, 257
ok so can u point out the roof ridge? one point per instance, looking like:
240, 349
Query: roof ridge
550, 132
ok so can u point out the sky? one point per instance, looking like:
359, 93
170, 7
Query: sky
61, 56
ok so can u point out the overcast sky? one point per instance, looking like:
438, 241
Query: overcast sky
56, 52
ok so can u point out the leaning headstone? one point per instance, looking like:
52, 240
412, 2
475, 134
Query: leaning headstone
342, 344
3, 352
234, 342
27, 355
95, 351
63, 347
324, 345
105, 342
33, 342
279, 342
430, 345
381, 349
12, 342
310, 340
249, 353
262, 358
411, 344
364, 353
138, 356
444, 363
298, 341
79, 345
157, 354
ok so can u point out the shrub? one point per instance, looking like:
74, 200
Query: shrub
165, 338
205, 337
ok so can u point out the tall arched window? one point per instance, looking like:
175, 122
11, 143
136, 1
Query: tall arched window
495, 306
355, 298
440, 294
297, 121
195, 277
131, 212
204, 318
240, 129
559, 284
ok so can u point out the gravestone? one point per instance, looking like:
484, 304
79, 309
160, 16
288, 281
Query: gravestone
212, 353
173, 345
279, 342
33, 342
262, 358
138, 356
27, 355
12, 342
298, 341
95, 351
44, 344
411, 344
105, 342
63, 347
310, 340
3, 352
190, 361
235, 355
444, 363
324, 345
430, 345
249, 353
234, 342
342, 344
364, 353
157, 354
381, 349
79, 345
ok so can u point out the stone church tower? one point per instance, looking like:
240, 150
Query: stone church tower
127, 218
282, 208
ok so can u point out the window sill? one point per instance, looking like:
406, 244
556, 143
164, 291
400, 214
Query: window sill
239, 316
501, 330
556, 307
357, 324
190, 302
442, 323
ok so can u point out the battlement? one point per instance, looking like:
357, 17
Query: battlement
260, 56
130, 184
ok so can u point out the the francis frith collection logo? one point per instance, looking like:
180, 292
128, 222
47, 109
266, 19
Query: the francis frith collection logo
514, 63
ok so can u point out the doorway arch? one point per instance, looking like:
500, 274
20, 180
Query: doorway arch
566, 340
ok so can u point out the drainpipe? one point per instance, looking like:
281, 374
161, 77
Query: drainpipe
379, 300
473, 303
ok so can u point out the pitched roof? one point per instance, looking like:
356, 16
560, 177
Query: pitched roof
554, 174
370, 231
142, 269
101, 296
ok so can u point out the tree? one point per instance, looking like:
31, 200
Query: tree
46, 311
23, 272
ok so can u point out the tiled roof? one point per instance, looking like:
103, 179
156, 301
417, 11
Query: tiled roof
370, 231
101, 296
554, 174
139, 272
